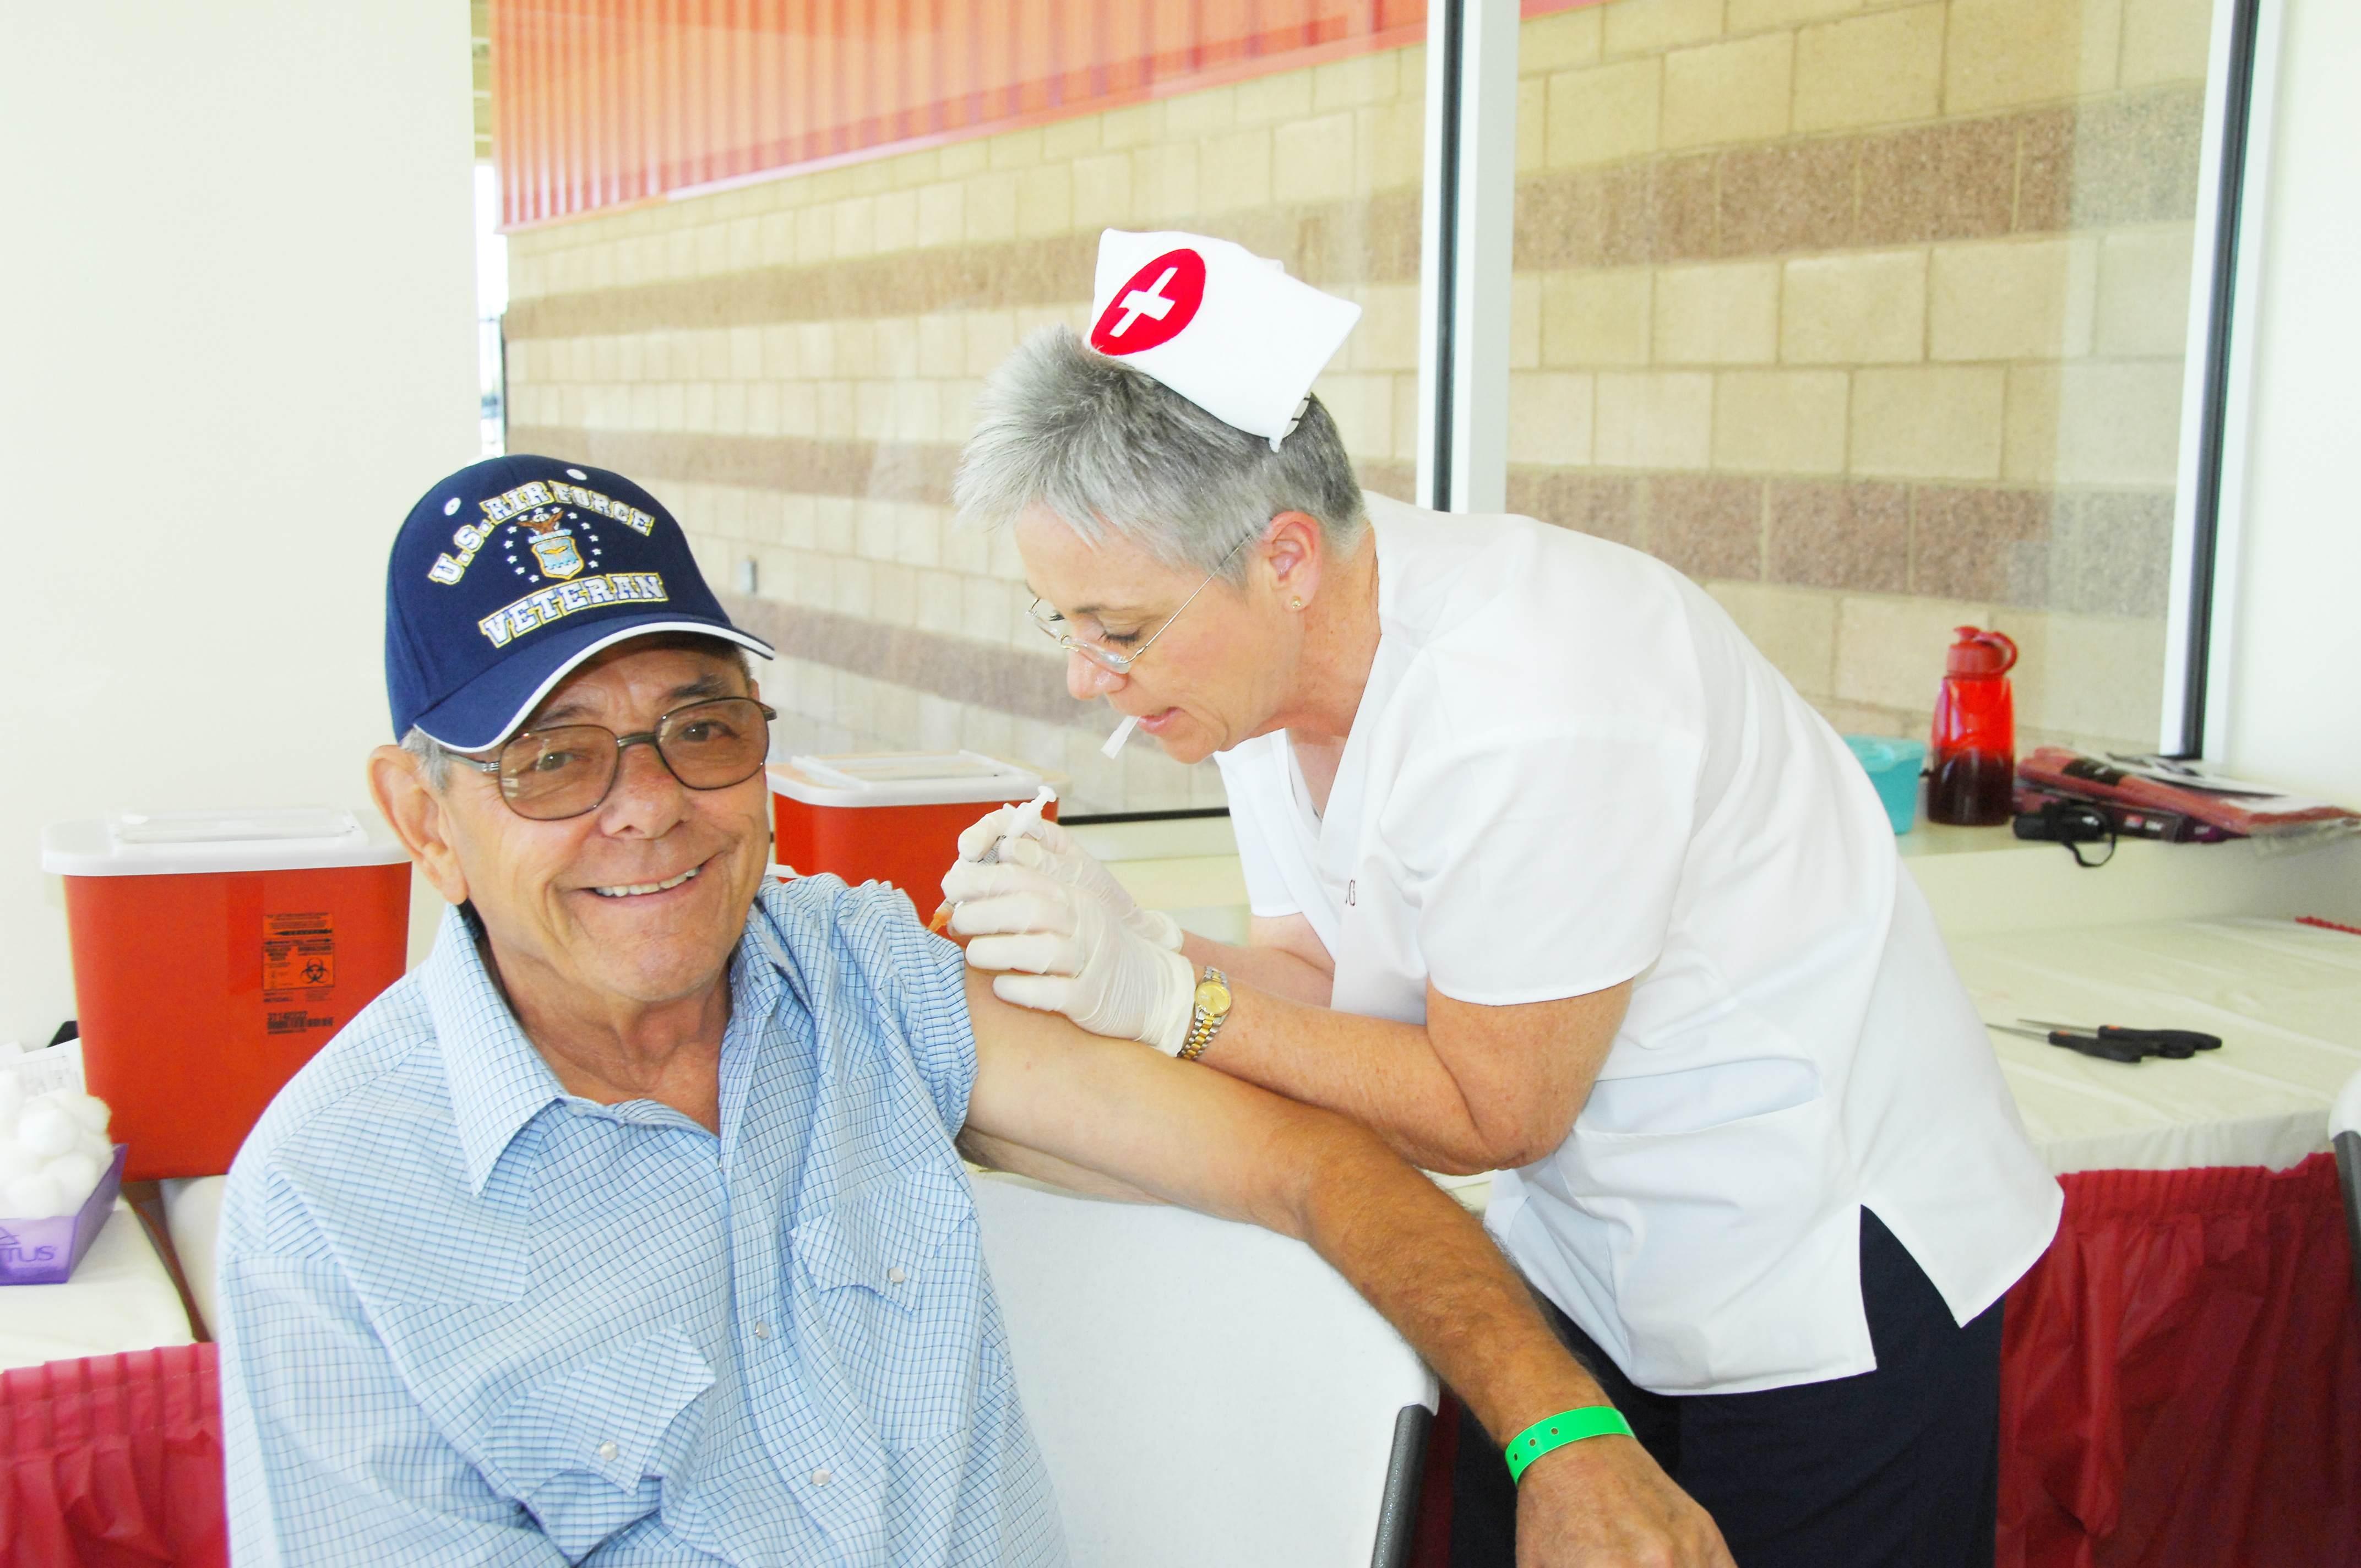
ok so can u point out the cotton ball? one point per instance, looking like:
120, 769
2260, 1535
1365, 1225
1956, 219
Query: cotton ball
17, 1160
76, 1176
33, 1197
47, 1129
94, 1144
88, 1109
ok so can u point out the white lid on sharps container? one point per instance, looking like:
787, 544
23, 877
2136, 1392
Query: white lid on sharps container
1225, 328
194, 843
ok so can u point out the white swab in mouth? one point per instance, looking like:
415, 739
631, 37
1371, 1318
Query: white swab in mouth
632, 889
1123, 734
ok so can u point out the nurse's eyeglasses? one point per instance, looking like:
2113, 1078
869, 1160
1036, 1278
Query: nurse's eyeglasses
1051, 623
568, 769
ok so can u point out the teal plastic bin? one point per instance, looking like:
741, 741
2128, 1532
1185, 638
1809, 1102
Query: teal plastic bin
1893, 766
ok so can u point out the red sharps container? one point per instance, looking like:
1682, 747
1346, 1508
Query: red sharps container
892, 815
214, 952
1974, 761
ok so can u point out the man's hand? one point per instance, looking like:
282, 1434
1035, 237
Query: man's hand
1603, 1503
1066, 1107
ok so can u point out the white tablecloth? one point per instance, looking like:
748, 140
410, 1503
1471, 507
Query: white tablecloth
120, 1298
2285, 998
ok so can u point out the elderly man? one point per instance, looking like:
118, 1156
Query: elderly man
632, 1228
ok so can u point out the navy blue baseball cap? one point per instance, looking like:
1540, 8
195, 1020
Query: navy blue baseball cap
511, 572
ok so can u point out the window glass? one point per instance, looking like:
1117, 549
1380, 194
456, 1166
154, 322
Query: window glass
1871, 318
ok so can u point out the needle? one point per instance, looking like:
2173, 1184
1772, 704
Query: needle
1123, 734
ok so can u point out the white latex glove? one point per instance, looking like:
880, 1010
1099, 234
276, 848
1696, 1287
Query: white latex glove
1017, 836
1062, 951
983, 835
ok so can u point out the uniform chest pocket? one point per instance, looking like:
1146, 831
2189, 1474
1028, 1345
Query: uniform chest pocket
890, 1300
585, 1450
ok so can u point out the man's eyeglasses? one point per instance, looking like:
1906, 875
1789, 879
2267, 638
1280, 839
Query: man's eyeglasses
566, 770
1099, 654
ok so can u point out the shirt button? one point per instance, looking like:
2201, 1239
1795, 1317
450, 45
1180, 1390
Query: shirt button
761, 1330
607, 1450
894, 1276
821, 1477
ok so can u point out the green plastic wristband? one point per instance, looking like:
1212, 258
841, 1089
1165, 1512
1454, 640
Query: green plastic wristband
1557, 1430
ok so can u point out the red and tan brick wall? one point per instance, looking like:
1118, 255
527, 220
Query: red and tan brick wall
1869, 316
791, 366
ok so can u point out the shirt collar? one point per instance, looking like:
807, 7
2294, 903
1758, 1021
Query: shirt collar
499, 1082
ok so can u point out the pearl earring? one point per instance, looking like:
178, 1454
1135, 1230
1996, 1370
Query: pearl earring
1295, 604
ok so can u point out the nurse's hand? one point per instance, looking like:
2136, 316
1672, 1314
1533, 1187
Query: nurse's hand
1064, 952
1021, 837
1604, 1502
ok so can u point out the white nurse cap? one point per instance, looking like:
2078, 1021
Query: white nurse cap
1226, 329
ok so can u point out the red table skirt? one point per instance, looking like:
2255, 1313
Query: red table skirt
2180, 1377
115, 1461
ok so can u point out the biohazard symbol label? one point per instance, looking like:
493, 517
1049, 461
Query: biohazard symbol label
299, 952
1160, 299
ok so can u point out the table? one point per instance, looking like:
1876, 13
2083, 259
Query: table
110, 1421
121, 1298
2287, 997
2181, 1371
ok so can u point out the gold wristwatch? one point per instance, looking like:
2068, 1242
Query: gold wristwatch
1211, 1011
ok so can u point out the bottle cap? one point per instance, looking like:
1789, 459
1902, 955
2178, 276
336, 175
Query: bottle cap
1980, 654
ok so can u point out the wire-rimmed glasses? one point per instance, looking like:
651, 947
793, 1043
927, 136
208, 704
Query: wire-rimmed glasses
568, 769
1099, 654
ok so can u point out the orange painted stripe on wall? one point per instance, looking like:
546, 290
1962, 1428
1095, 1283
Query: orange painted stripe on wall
600, 104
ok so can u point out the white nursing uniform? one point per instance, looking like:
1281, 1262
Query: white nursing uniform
1570, 770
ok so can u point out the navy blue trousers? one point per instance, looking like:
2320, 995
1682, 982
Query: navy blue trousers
1895, 1468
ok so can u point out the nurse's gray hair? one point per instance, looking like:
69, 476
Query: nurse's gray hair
1110, 449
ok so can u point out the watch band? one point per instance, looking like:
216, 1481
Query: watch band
1210, 1010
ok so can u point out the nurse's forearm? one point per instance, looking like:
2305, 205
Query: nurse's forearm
1475, 1088
1382, 1074
1271, 969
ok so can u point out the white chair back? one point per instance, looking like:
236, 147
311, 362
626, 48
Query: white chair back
1203, 1392
2344, 1137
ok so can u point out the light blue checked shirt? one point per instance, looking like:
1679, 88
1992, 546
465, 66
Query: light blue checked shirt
469, 1317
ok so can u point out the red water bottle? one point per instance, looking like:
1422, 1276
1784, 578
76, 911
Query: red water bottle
1975, 733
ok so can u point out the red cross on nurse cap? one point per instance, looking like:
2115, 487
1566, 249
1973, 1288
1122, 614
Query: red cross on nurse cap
1222, 327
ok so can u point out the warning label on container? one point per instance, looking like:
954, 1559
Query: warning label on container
299, 952
293, 1021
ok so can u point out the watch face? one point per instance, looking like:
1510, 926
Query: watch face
1213, 996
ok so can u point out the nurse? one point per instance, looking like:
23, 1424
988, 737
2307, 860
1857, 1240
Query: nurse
1550, 874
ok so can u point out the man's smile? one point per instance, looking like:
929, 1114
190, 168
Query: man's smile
642, 889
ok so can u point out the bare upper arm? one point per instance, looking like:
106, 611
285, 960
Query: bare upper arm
1524, 1071
1117, 1118
998, 1154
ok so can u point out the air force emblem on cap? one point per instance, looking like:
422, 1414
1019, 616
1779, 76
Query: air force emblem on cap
1222, 327
542, 510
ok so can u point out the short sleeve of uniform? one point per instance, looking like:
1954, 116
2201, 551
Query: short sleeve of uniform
1250, 779
1546, 851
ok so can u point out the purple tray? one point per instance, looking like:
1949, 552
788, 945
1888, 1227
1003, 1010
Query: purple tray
46, 1252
